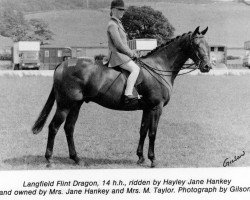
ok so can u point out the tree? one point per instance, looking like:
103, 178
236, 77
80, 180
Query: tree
145, 22
14, 25
40, 31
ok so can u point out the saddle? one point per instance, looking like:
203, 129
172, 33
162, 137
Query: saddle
104, 61
72, 62
125, 74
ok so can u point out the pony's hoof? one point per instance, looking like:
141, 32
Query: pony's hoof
78, 162
50, 164
76, 159
49, 160
153, 164
141, 161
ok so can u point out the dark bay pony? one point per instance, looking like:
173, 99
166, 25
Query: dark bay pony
84, 81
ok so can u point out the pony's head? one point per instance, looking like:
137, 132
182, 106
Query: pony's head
200, 52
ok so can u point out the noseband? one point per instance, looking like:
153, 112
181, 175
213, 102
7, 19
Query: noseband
199, 60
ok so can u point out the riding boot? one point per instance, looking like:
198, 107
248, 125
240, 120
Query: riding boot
130, 99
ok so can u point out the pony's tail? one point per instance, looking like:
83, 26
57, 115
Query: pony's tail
39, 124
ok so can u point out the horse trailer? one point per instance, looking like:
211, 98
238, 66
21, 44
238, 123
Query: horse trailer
25, 55
50, 56
88, 51
142, 46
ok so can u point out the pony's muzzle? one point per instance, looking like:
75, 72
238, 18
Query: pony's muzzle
205, 68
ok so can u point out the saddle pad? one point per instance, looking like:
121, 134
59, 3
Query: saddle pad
84, 60
72, 62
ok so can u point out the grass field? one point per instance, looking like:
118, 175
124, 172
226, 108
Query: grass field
228, 22
206, 121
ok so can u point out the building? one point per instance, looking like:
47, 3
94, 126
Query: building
88, 51
51, 56
218, 56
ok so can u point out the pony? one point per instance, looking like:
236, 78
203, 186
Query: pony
77, 81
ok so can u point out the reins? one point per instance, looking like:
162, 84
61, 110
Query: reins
153, 70
161, 72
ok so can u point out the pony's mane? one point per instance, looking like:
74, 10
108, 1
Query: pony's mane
165, 44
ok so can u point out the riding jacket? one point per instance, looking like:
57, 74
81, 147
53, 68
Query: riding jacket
119, 52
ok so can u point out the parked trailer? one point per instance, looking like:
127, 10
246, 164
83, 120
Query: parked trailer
25, 55
142, 46
246, 58
51, 56
88, 51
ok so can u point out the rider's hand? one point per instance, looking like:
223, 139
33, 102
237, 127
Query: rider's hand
135, 56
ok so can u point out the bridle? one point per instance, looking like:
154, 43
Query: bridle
160, 72
199, 60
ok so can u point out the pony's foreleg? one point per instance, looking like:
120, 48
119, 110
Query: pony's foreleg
155, 114
54, 126
143, 134
69, 130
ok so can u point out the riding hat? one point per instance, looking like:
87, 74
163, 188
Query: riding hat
118, 4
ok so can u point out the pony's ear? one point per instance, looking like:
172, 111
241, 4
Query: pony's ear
196, 31
204, 31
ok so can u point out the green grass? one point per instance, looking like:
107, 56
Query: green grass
45, 5
205, 122
76, 27
228, 22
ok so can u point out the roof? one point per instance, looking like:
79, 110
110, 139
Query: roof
91, 47
85, 47
217, 45
53, 47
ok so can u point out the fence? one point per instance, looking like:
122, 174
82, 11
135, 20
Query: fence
49, 73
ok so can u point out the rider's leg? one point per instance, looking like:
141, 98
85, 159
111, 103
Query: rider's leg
134, 70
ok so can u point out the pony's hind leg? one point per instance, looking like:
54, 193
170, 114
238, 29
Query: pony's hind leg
143, 133
155, 114
54, 126
69, 130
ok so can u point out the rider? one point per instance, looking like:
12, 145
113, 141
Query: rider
119, 52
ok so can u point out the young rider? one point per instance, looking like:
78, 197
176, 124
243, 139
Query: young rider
119, 52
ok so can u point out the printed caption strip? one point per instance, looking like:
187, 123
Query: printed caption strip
204, 183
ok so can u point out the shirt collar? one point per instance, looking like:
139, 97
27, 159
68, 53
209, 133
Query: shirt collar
115, 18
